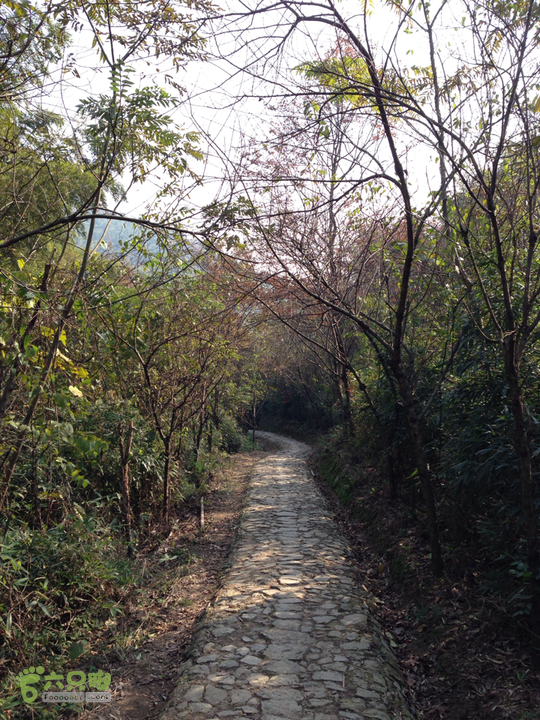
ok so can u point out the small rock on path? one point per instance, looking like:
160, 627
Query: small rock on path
289, 635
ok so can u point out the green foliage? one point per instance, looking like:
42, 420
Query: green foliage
121, 376
29, 41
231, 437
148, 138
125, 375
40, 176
56, 584
335, 469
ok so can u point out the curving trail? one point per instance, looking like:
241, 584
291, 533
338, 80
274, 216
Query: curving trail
289, 635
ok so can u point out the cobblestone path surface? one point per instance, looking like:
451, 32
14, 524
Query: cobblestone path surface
289, 635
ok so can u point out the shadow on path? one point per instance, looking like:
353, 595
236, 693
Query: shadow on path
289, 635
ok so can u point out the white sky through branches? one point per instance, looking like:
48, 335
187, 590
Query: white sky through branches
235, 99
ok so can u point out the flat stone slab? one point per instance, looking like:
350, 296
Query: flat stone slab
289, 636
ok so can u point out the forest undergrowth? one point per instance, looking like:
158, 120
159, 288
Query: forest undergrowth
464, 652
363, 264
80, 600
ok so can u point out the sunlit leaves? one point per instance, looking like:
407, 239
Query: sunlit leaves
135, 133
141, 28
29, 39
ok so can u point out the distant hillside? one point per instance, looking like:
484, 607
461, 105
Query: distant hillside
113, 232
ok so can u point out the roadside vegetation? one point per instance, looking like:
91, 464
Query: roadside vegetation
124, 358
367, 276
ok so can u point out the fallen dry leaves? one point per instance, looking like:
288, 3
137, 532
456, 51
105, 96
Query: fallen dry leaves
145, 648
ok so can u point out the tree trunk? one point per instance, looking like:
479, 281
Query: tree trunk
35, 492
178, 452
395, 463
166, 481
528, 490
254, 417
202, 422
347, 411
215, 411
419, 451
125, 450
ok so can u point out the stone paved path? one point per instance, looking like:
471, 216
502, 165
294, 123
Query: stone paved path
289, 635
